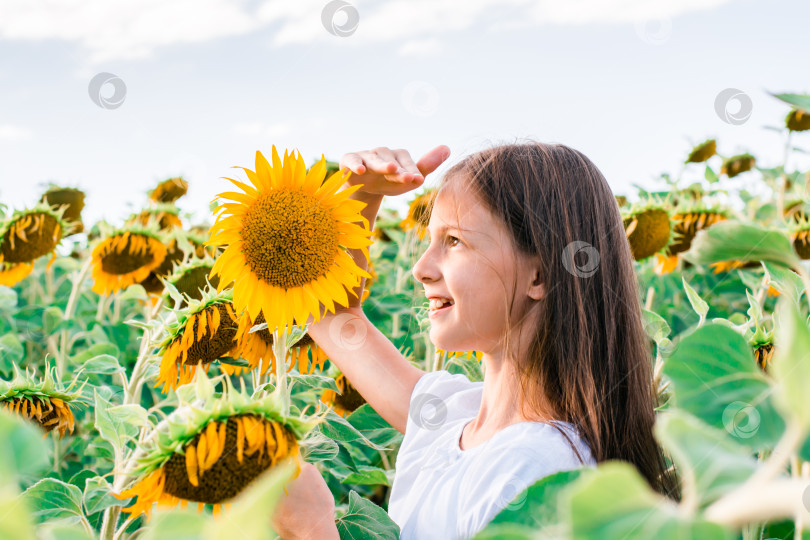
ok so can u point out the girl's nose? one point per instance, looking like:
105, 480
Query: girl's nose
425, 269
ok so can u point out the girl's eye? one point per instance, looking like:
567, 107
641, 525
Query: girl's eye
452, 239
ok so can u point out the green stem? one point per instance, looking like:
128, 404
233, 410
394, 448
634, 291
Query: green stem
280, 350
70, 308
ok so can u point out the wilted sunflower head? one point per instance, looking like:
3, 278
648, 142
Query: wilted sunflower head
346, 400
73, 200
177, 250
286, 235
800, 236
166, 215
29, 234
41, 401
647, 226
797, 209
419, 212
798, 120
702, 152
201, 333
126, 256
169, 190
737, 164
197, 240
13, 273
257, 348
763, 352
209, 453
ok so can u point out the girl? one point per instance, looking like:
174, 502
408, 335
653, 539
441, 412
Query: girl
528, 263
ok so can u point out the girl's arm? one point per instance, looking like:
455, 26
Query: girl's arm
373, 365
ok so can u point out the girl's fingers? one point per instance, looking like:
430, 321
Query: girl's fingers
407, 164
431, 161
378, 164
353, 162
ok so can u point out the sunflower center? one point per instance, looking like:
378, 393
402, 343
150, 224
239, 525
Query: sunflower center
210, 347
126, 259
350, 399
288, 238
30, 237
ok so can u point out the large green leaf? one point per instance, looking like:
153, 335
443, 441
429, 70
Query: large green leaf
97, 495
370, 476
339, 429
734, 240
714, 376
708, 462
801, 101
185, 524
616, 502
118, 424
365, 520
791, 362
51, 498
373, 426
785, 281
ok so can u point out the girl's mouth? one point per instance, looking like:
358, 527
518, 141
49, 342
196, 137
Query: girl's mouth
435, 311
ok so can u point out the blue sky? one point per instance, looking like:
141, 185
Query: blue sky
631, 83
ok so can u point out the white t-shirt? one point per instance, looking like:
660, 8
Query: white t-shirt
443, 492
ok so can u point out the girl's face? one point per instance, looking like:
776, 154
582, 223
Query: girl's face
471, 261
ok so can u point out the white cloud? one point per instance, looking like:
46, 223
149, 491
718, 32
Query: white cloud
9, 132
420, 47
136, 28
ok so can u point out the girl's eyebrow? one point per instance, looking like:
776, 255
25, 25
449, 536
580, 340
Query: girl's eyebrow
448, 227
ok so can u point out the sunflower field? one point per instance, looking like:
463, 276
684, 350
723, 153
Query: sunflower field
155, 362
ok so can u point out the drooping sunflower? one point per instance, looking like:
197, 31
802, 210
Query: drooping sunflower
702, 152
647, 226
191, 279
728, 266
257, 348
73, 199
41, 401
13, 273
169, 190
621, 200
737, 164
197, 240
285, 237
167, 216
126, 256
763, 352
202, 333
174, 256
346, 400
798, 120
800, 236
797, 209
209, 453
688, 222
27, 235
419, 213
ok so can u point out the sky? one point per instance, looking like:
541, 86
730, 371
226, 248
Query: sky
113, 97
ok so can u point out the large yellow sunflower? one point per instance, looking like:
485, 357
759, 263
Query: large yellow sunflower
125, 257
285, 237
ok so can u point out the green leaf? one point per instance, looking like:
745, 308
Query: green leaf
734, 240
365, 520
370, 476
120, 423
11, 352
318, 447
339, 429
22, 448
698, 304
313, 381
785, 281
800, 101
52, 319
710, 175
374, 427
95, 350
616, 502
63, 531
103, 364
98, 495
708, 462
52, 498
8, 298
714, 376
791, 362
539, 504
511, 531
175, 525
15, 519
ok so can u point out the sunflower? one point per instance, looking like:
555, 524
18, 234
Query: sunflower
125, 257
346, 400
13, 273
285, 235
29, 234
197, 240
621, 200
737, 164
169, 190
202, 332
461, 354
800, 236
209, 453
165, 214
728, 266
191, 279
41, 401
174, 256
687, 224
73, 199
419, 213
763, 352
702, 152
647, 226
798, 120
257, 346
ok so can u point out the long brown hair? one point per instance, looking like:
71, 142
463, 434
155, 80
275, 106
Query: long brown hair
589, 357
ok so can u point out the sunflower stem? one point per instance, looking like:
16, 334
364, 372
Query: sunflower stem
70, 308
280, 351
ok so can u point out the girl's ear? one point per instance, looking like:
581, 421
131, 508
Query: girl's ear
537, 289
